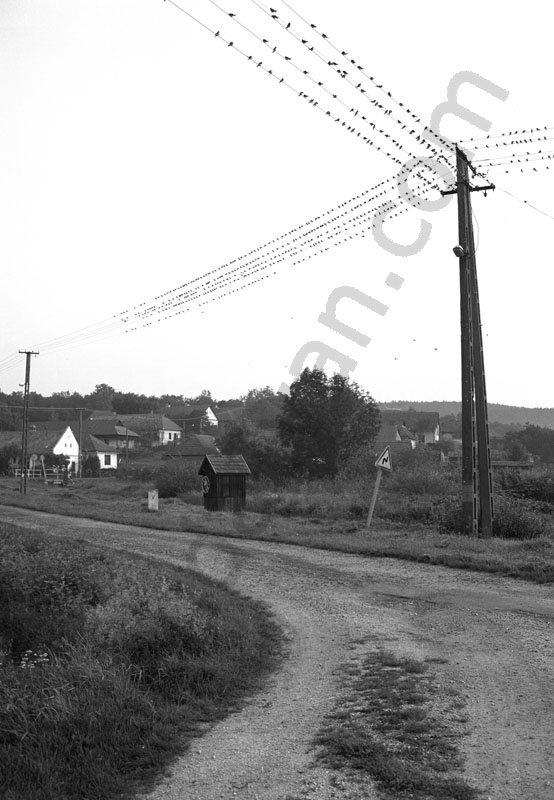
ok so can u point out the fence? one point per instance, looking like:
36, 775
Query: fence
52, 475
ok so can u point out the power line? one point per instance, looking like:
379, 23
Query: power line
510, 133
361, 70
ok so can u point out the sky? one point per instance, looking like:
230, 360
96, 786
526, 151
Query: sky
139, 152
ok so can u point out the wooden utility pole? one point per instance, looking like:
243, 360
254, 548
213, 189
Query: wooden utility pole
477, 500
23, 475
80, 467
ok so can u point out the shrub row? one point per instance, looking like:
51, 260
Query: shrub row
108, 663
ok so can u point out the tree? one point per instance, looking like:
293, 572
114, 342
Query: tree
536, 440
324, 420
262, 407
261, 449
102, 397
131, 403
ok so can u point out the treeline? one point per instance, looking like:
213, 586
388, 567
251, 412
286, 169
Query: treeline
498, 413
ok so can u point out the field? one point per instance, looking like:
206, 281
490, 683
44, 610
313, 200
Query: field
416, 516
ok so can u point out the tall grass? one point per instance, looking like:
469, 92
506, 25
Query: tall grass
109, 664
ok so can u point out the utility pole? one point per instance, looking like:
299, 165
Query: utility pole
80, 469
477, 500
23, 476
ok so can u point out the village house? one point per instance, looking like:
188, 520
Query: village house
147, 430
423, 424
193, 418
60, 442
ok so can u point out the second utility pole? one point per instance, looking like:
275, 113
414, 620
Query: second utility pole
23, 476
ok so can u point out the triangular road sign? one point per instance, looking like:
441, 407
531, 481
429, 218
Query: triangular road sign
384, 460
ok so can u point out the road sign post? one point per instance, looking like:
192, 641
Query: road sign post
383, 464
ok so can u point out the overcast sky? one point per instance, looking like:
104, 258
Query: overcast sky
138, 151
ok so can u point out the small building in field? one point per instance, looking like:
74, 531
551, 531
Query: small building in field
224, 482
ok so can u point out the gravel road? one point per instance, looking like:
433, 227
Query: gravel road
496, 634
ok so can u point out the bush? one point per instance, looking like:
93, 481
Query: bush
9, 456
513, 519
174, 479
91, 467
108, 664
530, 487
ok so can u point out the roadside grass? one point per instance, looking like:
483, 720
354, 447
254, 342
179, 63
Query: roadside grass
393, 725
407, 524
111, 664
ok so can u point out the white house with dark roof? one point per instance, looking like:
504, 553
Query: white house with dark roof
153, 429
108, 455
61, 442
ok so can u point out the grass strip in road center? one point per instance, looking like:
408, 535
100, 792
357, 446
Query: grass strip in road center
388, 727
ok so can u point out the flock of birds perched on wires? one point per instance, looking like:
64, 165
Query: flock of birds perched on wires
328, 78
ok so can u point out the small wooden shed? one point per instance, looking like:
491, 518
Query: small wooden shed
224, 482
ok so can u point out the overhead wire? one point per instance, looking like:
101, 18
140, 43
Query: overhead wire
444, 143
352, 129
506, 134
164, 305
275, 50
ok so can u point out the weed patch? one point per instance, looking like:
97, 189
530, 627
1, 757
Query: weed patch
386, 727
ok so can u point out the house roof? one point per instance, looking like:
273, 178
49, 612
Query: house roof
192, 411
225, 465
233, 414
109, 427
194, 445
416, 421
394, 433
148, 423
93, 445
388, 433
37, 441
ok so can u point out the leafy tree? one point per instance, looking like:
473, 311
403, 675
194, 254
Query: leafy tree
130, 403
263, 406
536, 440
102, 397
261, 449
324, 420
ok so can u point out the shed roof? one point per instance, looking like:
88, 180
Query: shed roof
225, 465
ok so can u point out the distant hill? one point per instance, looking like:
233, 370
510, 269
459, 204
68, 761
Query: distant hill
506, 415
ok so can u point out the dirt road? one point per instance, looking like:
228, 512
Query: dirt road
497, 635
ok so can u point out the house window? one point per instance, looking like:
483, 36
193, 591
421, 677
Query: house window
107, 461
